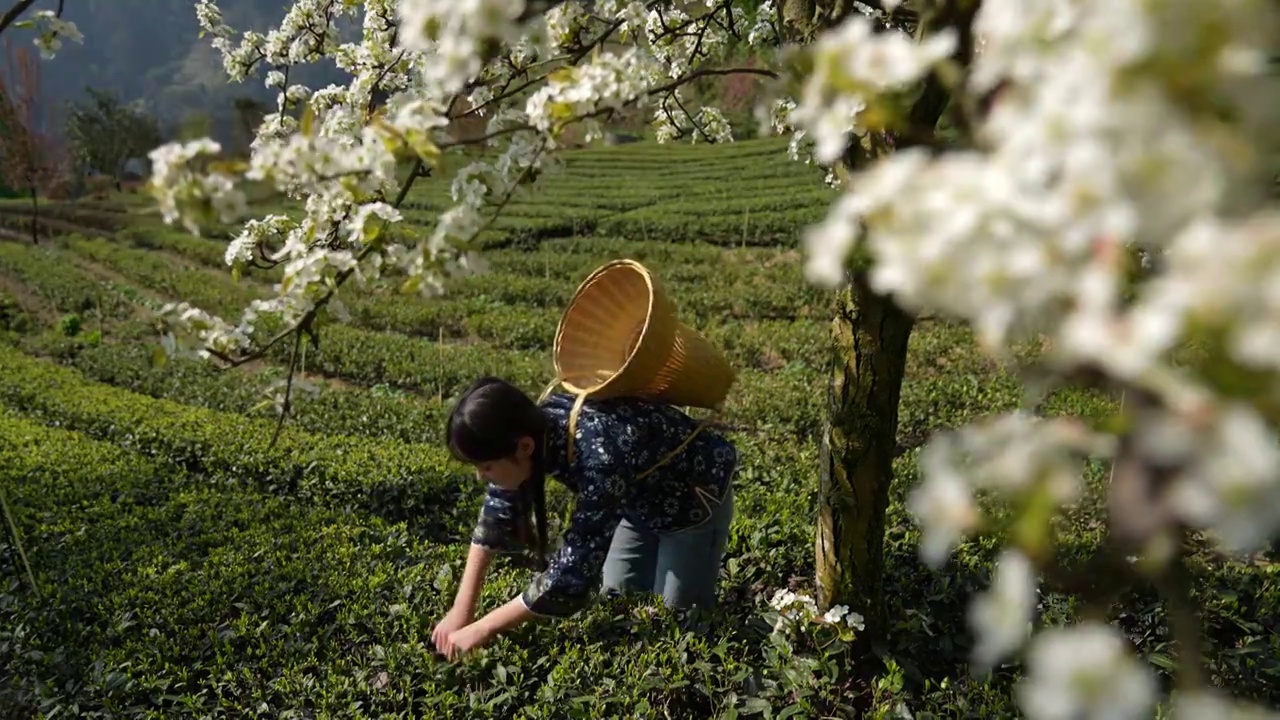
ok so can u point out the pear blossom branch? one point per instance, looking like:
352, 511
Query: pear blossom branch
663, 89
305, 322
49, 24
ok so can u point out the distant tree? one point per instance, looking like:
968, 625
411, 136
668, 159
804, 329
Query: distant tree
193, 124
32, 159
249, 114
106, 133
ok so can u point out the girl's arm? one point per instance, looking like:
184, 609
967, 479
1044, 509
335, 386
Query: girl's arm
468, 597
496, 531
508, 617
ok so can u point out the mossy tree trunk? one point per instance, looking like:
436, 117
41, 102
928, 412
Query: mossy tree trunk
869, 361
870, 338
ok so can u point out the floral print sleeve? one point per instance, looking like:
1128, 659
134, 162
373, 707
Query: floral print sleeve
574, 573
500, 527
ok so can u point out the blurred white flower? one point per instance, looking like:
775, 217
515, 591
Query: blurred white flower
1085, 672
1001, 616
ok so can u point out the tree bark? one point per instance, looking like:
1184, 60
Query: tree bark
869, 358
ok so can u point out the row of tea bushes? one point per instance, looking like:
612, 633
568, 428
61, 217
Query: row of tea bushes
654, 223
746, 227
53, 276
379, 412
648, 166
166, 593
369, 358
738, 287
508, 318
706, 282
743, 229
725, 195
397, 480
203, 287
408, 374
204, 250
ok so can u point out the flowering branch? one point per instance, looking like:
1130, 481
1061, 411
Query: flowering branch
16, 11
344, 196
50, 25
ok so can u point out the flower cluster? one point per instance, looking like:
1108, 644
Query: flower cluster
1106, 135
1016, 454
797, 610
50, 31
419, 66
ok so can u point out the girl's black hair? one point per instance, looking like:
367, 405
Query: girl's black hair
486, 424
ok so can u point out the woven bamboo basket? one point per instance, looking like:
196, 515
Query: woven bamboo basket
621, 336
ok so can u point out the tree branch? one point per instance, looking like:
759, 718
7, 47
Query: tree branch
586, 49
339, 279
16, 11
659, 90
1174, 584
288, 389
573, 59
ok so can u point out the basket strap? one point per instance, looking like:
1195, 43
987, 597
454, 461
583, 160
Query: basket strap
573, 430
573, 422
547, 393
685, 443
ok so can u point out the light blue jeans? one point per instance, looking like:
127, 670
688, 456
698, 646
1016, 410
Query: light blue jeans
683, 567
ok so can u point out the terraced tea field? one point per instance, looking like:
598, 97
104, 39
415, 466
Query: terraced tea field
185, 569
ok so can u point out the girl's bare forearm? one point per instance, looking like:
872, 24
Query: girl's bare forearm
472, 584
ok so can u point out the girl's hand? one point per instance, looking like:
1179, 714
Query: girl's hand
456, 619
467, 639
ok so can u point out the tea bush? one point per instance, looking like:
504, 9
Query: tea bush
13, 317
399, 480
51, 274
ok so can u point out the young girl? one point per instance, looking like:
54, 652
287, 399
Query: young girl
638, 524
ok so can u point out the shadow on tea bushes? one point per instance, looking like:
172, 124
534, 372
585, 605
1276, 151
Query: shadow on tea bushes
396, 415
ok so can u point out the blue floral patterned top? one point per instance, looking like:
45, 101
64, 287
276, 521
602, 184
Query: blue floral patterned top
616, 440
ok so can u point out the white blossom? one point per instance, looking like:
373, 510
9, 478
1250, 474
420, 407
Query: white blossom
1231, 484
1001, 617
854, 55
943, 503
50, 31
796, 610
1084, 672
1014, 454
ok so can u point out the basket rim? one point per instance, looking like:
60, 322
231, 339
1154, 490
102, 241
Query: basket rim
573, 302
